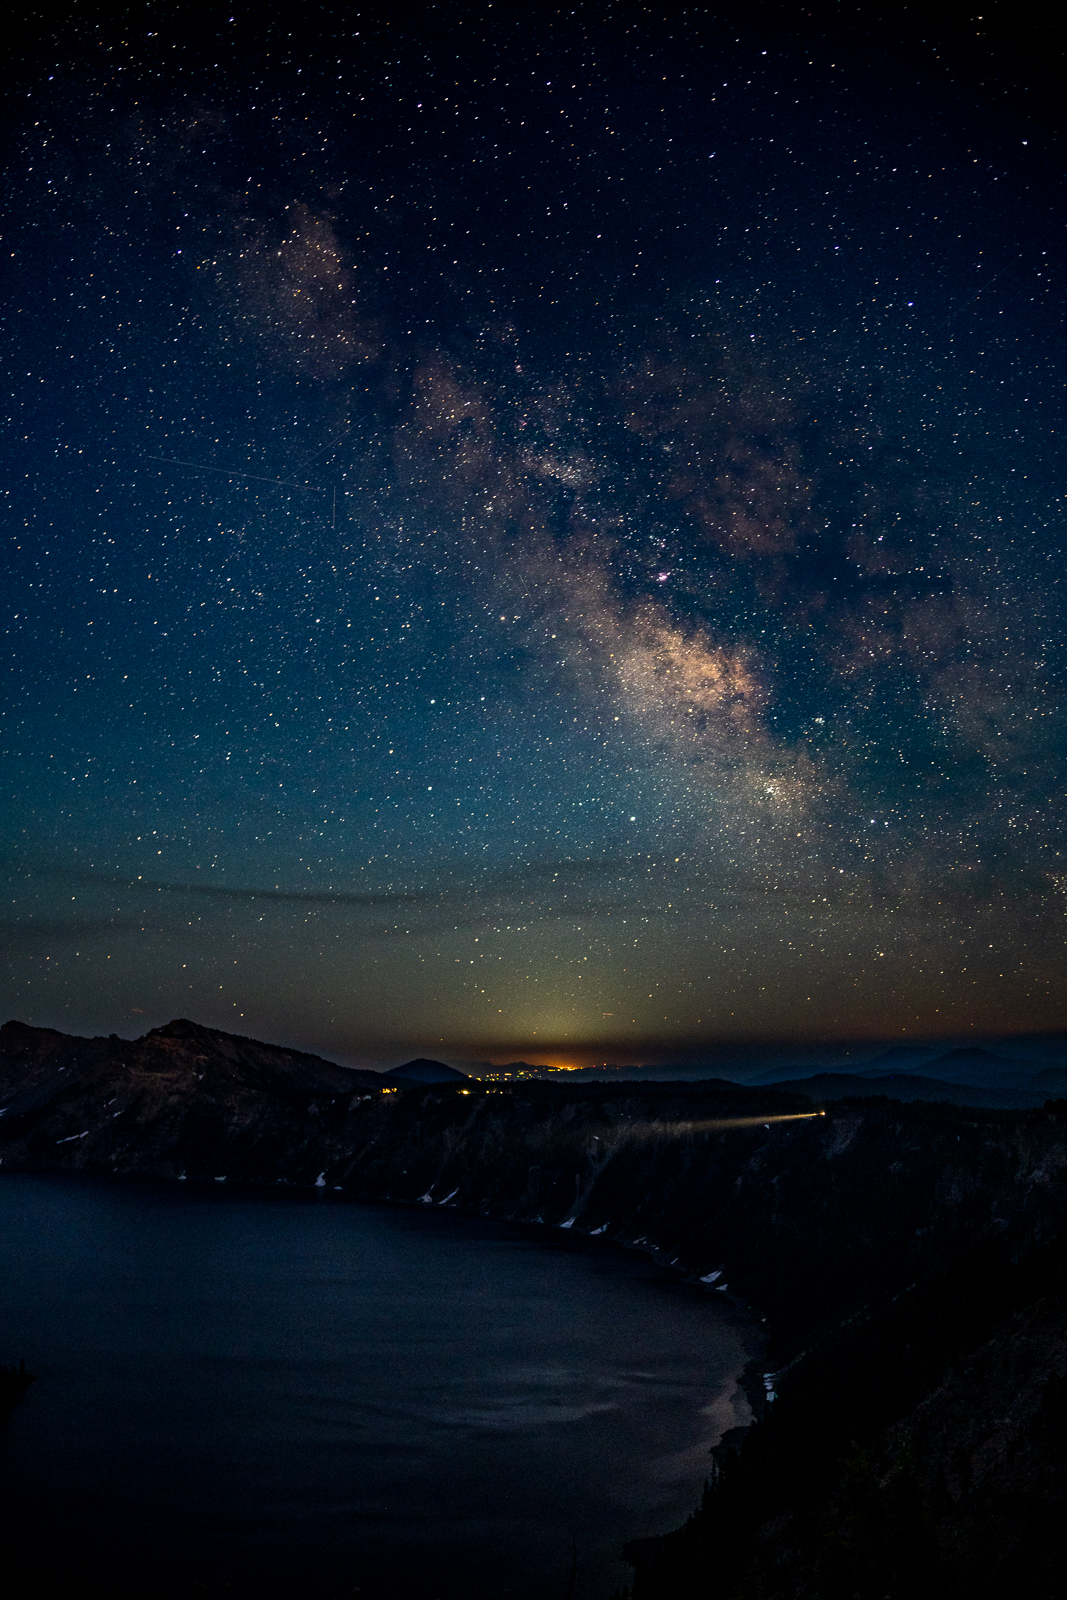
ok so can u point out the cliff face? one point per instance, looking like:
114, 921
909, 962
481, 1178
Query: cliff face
807, 1216
911, 1260
147, 1105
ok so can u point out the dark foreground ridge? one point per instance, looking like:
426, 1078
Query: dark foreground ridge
910, 1259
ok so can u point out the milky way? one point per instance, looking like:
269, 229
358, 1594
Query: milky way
531, 539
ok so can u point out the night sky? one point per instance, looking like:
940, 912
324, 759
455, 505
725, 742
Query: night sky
534, 533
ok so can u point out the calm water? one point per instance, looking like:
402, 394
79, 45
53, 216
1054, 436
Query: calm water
259, 1396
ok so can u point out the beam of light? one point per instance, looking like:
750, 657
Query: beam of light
693, 1129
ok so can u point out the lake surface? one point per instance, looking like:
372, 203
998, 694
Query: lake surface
248, 1395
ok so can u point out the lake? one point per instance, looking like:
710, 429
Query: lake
251, 1394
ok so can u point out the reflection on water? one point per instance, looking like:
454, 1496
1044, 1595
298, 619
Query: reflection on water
303, 1397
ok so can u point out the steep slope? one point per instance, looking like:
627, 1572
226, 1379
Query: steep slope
918, 1451
910, 1260
130, 1105
807, 1215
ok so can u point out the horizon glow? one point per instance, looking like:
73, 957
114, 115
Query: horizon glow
486, 581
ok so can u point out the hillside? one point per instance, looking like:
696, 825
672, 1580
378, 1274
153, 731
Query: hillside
127, 1105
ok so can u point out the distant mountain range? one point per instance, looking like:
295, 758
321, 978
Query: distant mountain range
969, 1076
910, 1086
963, 1075
424, 1071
